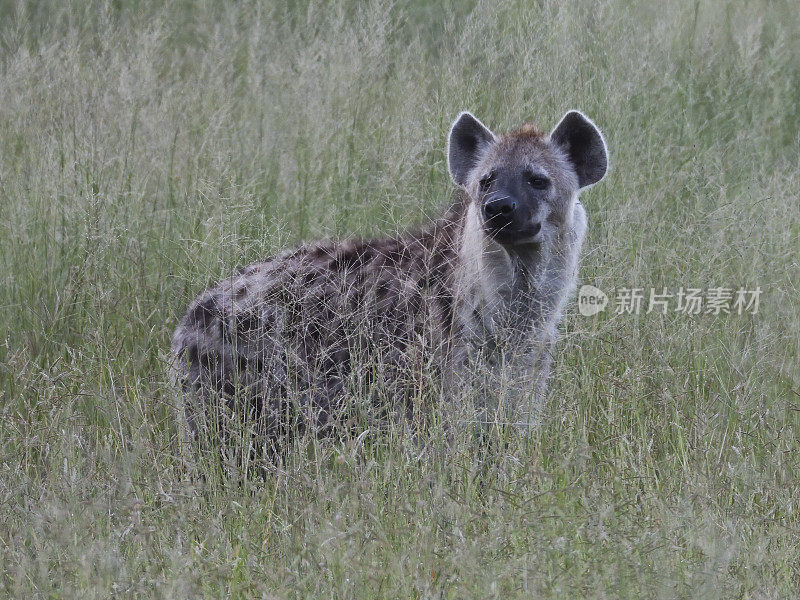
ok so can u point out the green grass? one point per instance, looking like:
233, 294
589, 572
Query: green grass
147, 151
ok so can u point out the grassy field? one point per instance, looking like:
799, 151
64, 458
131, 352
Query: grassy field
147, 151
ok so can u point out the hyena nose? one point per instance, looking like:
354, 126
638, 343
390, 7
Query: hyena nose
500, 207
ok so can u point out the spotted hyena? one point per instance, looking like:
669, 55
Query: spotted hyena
470, 300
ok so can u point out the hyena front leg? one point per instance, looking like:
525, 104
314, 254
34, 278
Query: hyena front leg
515, 385
529, 414
501, 389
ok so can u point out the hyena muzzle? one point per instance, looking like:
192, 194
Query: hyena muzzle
470, 301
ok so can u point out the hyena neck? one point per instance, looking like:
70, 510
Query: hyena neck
494, 283
491, 268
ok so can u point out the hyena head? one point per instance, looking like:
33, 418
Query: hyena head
525, 184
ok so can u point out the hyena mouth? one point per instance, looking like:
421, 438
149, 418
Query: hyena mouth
532, 237
535, 229
518, 236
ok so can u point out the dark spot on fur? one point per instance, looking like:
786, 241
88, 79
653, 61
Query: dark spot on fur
204, 314
351, 258
360, 277
246, 323
310, 277
414, 303
249, 270
318, 252
356, 299
192, 354
396, 254
446, 302
228, 388
341, 356
382, 290
215, 368
206, 361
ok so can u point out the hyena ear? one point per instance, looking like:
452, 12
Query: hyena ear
468, 139
584, 145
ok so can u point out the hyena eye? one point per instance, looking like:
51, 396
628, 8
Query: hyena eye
487, 181
539, 182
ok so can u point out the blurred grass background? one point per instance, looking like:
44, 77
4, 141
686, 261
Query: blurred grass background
148, 149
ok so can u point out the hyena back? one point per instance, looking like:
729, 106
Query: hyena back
473, 297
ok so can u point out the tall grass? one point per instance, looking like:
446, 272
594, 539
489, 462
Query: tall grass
147, 150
